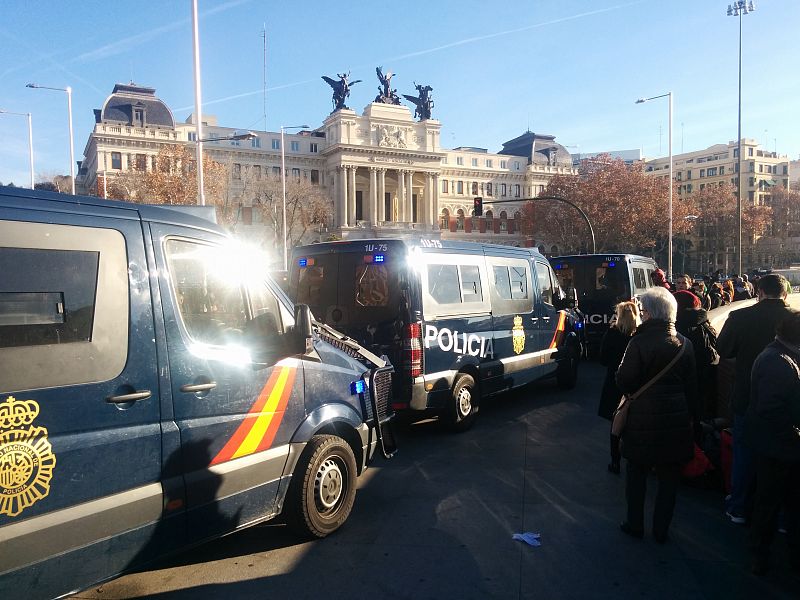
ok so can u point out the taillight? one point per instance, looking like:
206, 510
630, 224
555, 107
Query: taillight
412, 349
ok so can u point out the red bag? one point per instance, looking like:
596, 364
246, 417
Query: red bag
698, 465
726, 457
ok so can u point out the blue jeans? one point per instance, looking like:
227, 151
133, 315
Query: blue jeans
743, 473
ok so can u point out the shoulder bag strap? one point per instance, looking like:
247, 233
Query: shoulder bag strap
660, 373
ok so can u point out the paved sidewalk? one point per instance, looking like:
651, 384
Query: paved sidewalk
436, 522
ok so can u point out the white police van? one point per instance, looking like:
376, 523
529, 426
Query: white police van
460, 321
155, 392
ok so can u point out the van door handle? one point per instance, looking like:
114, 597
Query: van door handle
133, 397
546, 319
534, 319
198, 387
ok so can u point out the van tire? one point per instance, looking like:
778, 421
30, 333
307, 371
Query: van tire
323, 487
567, 371
464, 403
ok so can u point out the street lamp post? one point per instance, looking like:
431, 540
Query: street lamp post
283, 178
738, 9
68, 90
198, 106
671, 181
30, 137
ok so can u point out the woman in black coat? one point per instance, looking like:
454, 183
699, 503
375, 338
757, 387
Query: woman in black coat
612, 349
692, 322
658, 431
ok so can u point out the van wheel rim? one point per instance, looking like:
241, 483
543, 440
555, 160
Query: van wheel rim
329, 484
464, 401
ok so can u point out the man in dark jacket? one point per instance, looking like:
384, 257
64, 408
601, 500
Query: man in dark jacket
658, 432
772, 428
745, 334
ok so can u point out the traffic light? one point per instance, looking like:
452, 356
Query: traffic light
478, 207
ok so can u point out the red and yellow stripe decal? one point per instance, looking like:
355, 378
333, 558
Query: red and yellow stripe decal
559, 332
261, 423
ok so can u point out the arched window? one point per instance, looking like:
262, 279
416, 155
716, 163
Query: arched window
488, 214
503, 221
460, 220
444, 219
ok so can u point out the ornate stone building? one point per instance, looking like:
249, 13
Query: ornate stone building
385, 173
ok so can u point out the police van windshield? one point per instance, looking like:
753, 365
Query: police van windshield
351, 291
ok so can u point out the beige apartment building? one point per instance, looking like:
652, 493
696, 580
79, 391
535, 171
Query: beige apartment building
385, 173
762, 173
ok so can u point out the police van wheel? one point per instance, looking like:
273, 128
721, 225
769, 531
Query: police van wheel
323, 487
567, 372
461, 413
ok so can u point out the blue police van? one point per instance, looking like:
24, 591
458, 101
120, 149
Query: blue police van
460, 321
601, 281
156, 391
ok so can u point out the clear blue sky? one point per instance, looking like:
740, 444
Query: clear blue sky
571, 68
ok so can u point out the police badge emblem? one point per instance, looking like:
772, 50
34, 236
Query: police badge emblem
26, 457
518, 335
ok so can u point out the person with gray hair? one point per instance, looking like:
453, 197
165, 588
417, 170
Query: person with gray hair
658, 430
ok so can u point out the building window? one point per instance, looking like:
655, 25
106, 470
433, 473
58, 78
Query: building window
702, 173
503, 164
445, 186
237, 171
516, 190
749, 152
276, 144
712, 172
312, 147
255, 142
138, 117
314, 176
141, 162
459, 160
489, 162
296, 174
460, 187
503, 189
688, 175
257, 172
474, 162
276, 171
752, 167
516, 166
474, 188
722, 170
236, 143
116, 160
192, 136
294, 146
489, 189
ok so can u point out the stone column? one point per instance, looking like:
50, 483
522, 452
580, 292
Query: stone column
382, 195
351, 196
427, 210
341, 176
399, 201
373, 196
409, 197
435, 201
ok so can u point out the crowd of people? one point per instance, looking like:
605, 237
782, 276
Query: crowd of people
660, 392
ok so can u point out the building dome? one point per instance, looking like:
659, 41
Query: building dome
136, 106
539, 149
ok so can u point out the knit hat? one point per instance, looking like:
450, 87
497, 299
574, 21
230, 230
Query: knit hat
687, 299
659, 278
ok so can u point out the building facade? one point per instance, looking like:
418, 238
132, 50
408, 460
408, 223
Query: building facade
385, 173
762, 173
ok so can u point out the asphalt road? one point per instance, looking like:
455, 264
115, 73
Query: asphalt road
437, 522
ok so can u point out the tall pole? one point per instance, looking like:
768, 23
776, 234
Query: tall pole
739, 152
30, 147
198, 110
71, 143
671, 180
30, 136
283, 219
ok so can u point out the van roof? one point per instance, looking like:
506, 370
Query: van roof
603, 256
203, 217
418, 242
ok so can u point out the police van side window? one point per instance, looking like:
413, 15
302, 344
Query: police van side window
545, 284
639, 280
209, 296
443, 283
63, 304
470, 283
510, 286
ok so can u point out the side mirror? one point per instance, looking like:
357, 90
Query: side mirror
302, 328
571, 298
